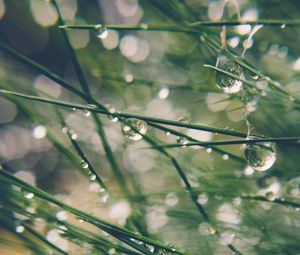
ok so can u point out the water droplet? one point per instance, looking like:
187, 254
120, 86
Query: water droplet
255, 77
168, 133
225, 157
111, 110
202, 199
64, 130
84, 164
101, 31
92, 177
134, 124
227, 84
260, 156
86, 113
20, 229
206, 229
73, 134
283, 26
270, 196
209, 150
171, 199
183, 141
150, 247
163, 93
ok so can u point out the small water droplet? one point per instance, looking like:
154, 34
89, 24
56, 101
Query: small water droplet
134, 124
209, 150
206, 229
270, 196
283, 26
73, 134
61, 215
260, 156
101, 31
86, 113
84, 164
225, 157
149, 247
163, 93
168, 133
227, 84
92, 177
255, 77
20, 229
112, 111
202, 199
183, 141
264, 93
74, 109
64, 130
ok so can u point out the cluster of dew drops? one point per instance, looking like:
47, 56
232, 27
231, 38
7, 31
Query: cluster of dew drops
260, 156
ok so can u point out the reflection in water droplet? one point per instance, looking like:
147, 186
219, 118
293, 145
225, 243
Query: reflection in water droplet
227, 84
260, 156
111, 251
101, 31
206, 229
291, 98
84, 164
129, 130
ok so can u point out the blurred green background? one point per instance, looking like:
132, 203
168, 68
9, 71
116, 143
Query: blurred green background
161, 74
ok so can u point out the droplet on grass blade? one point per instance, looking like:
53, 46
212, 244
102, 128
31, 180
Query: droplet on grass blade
260, 156
101, 31
228, 84
84, 164
131, 127
112, 111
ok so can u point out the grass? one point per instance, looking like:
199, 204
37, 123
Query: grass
189, 201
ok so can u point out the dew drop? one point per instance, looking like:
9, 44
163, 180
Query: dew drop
225, 157
202, 199
86, 113
270, 196
101, 31
92, 177
150, 247
208, 150
64, 130
168, 133
134, 124
84, 164
227, 84
73, 134
283, 26
261, 156
206, 229
112, 111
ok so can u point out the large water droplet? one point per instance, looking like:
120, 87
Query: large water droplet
227, 84
134, 124
260, 156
